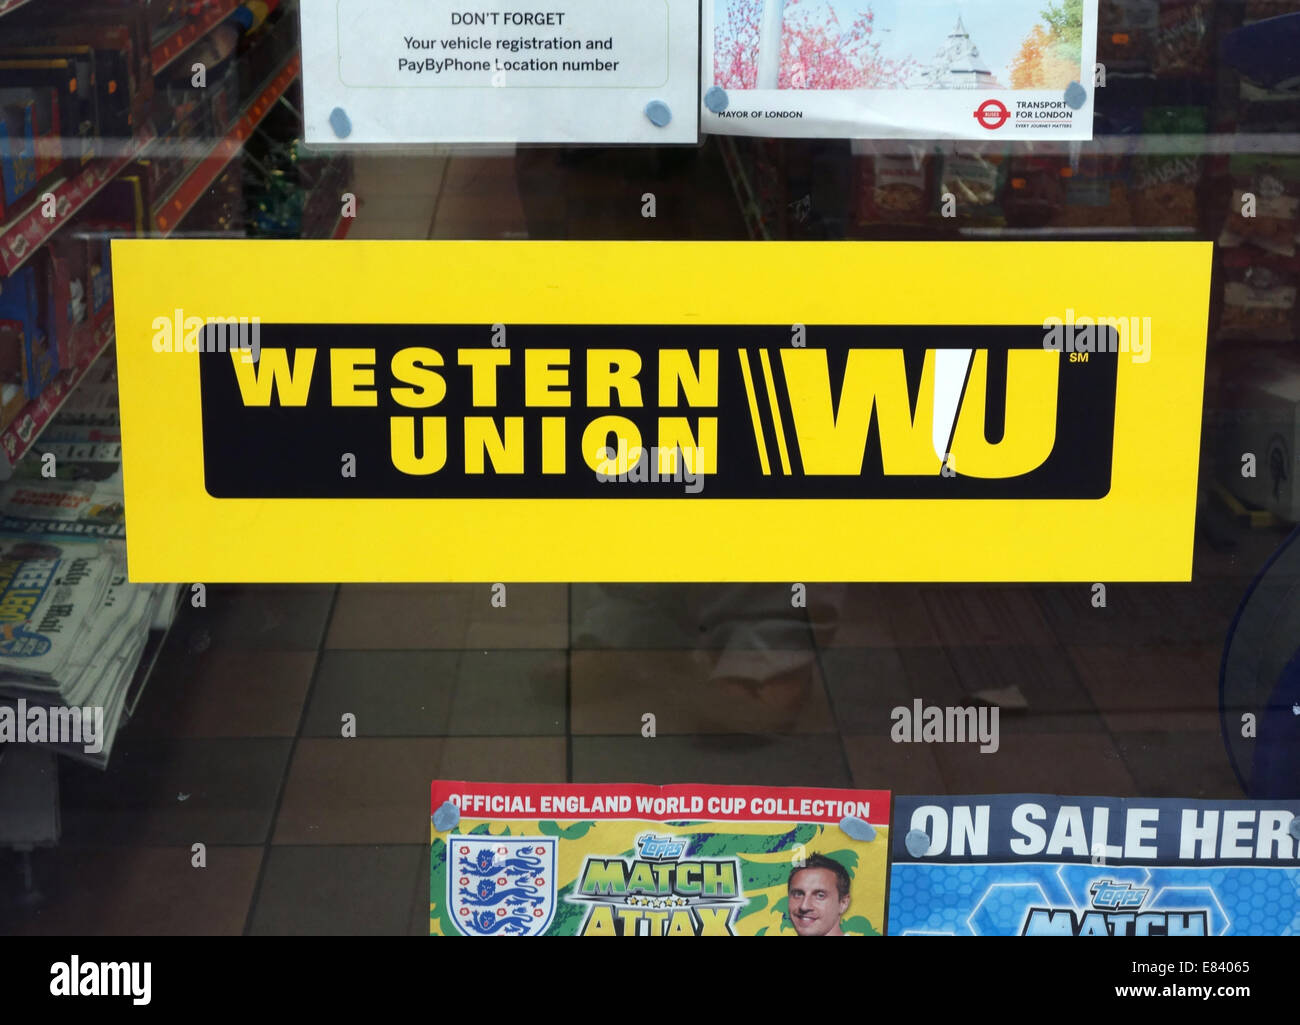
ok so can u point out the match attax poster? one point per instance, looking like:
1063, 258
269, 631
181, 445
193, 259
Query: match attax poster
569, 860
1034, 865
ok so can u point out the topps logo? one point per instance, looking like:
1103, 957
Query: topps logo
954, 412
1115, 911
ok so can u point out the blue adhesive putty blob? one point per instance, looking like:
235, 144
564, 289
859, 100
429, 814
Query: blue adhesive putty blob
917, 843
340, 122
1294, 828
658, 113
716, 99
858, 829
446, 817
1075, 96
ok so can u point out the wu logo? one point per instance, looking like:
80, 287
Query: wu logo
501, 886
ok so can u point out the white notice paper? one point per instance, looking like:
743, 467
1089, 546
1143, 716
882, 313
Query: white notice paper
500, 71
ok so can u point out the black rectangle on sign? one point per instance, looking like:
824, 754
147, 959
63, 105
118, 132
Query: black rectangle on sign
772, 411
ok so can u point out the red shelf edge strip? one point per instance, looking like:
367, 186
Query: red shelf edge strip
183, 38
45, 406
21, 237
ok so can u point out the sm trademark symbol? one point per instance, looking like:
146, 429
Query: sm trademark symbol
1078, 357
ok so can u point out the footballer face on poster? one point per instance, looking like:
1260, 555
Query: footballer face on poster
819, 894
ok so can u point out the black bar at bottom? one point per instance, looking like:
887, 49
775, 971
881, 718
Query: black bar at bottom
335, 975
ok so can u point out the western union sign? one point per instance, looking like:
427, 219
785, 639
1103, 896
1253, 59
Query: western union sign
410, 411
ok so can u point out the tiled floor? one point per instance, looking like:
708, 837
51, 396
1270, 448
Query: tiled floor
240, 743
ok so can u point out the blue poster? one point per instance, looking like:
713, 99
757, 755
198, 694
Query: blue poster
1038, 865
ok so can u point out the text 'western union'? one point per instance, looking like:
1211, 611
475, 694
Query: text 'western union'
943, 425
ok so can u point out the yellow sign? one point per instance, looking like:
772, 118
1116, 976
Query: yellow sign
641, 411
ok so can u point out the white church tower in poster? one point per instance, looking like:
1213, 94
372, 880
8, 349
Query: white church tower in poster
957, 65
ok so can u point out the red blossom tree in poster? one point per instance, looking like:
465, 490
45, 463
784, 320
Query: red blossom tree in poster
817, 51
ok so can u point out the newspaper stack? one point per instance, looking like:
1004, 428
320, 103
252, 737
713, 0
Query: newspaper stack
72, 632
85, 439
72, 629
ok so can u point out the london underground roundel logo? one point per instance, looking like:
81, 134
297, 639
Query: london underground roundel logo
992, 114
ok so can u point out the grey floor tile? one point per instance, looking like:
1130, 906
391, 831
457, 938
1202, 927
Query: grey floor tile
809, 761
1214, 606
391, 693
439, 693
449, 616
176, 792
877, 763
1045, 677
1138, 688
1236, 555
336, 891
686, 616
388, 207
489, 179
866, 684
966, 616
407, 176
689, 692
421, 897
244, 618
224, 693
1179, 764
509, 693
376, 790
878, 616
502, 759
138, 891
358, 791
1142, 614
1039, 763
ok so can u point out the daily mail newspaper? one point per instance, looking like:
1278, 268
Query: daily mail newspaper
102, 635
102, 667
49, 593
166, 604
111, 672
75, 517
